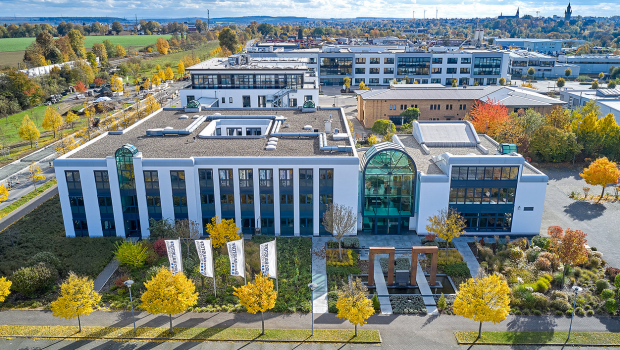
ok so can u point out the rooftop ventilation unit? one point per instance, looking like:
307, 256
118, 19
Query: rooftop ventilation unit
506, 148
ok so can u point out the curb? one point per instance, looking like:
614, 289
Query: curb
540, 344
196, 340
17, 211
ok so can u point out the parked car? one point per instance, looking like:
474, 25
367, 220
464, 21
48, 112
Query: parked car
79, 96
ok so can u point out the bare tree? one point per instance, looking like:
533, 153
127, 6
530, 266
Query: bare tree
339, 220
188, 230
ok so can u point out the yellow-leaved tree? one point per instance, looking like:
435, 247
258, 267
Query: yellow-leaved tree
157, 67
257, 297
168, 294
222, 231
448, 224
483, 299
71, 118
353, 303
169, 73
52, 120
151, 105
363, 86
156, 80
146, 84
116, 84
162, 46
35, 174
5, 286
4, 193
66, 145
181, 68
28, 131
120, 51
602, 172
77, 298
162, 75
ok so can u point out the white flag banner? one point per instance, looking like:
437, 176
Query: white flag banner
205, 254
174, 255
237, 258
268, 263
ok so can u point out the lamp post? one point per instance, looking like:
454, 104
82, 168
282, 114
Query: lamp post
577, 290
312, 287
577, 140
128, 283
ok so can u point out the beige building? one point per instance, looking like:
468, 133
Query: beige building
444, 103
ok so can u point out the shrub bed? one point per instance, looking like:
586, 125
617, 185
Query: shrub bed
408, 304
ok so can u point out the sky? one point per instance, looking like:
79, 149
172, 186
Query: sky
303, 8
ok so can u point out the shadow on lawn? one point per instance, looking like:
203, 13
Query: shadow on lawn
520, 326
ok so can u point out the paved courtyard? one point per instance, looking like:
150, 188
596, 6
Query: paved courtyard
601, 221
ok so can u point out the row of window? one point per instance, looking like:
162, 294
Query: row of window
374, 60
374, 71
485, 173
487, 222
482, 195
247, 81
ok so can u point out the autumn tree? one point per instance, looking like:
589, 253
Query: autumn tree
561, 82
35, 174
162, 46
52, 120
28, 131
4, 193
116, 84
257, 297
488, 117
383, 127
353, 303
454, 83
117, 27
162, 75
77, 42
228, 39
120, 51
77, 298
558, 118
347, 82
339, 220
5, 285
448, 224
570, 247
181, 68
169, 73
100, 51
601, 172
146, 84
594, 85
168, 294
65, 145
567, 72
502, 81
222, 231
531, 71
363, 86
410, 114
483, 299
80, 87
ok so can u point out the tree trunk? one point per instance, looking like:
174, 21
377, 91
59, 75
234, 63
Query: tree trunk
602, 194
262, 317
171, 325
563, 274
480, 330
339, 249
79, 324
356, 330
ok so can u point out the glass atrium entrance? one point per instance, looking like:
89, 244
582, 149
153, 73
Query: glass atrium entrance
388, 192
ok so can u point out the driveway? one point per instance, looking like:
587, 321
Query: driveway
600, 221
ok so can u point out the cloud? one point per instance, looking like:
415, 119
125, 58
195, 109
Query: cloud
301, 8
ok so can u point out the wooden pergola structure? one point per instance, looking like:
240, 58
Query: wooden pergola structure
371, 264
372, 251
414, 263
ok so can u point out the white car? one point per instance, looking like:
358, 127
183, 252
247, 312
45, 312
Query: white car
79, 96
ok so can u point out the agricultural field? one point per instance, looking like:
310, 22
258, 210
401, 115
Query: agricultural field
20, 44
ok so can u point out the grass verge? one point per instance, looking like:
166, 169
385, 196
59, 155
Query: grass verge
18, 203
550, 338
191, 334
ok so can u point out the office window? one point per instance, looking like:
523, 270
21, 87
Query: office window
177, 178
465, 60
436, 70
359, 80
387, 80
246, 178
292, 102
253, 131
105, 205
223, 100
375, 60
307, 98
265, 178
373, 81
436, 81
247, 199
180, 204
151, 180
388, 71
266, 198
487, 65
375, 70
451, 71
528, 208
77, 205
262, 101
207, 199
190, 98
453, 60
108, 227
326, 177
234, 131
226, 177
464, 70
246, 102
73, 180
437, 60
360, 60
360, 70
102, 180
230, 100
388, 60
305, 177
286, 177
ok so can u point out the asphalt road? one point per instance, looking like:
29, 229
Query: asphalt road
25, 186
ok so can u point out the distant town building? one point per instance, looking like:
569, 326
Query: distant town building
516, 16
592, 64
548, 46
568, 13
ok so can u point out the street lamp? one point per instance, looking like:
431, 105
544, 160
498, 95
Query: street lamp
577, 140
312, 287
128, 283
577, 290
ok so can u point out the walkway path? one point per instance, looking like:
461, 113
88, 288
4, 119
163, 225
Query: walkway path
319, 275
468, 256
429, 301
28, 207
105, 275
386, 305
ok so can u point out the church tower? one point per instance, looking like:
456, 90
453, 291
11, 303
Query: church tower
517, 15
568, 13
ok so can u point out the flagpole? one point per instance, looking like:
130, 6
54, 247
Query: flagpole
243, 267
213, 268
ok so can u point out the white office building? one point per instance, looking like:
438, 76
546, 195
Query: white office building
380, 65
592, 64
608, 100
548, 46
240, 81
544, 66
278, 170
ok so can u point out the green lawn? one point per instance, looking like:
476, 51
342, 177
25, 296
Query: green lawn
192, 334
42, 230
602, 338
20, 44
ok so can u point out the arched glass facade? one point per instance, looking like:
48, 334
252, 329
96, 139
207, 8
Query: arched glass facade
127, 184
388, 189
